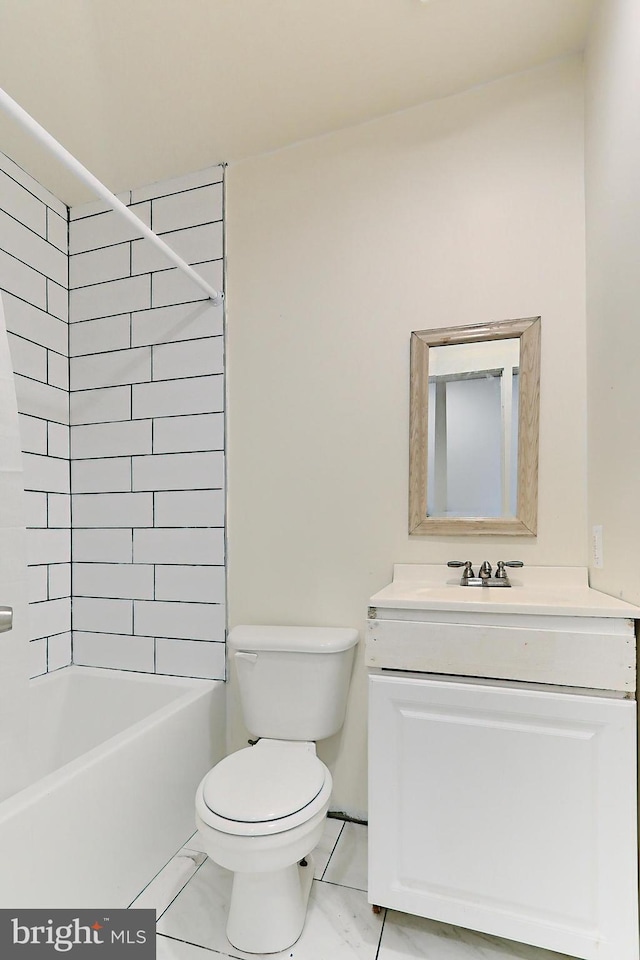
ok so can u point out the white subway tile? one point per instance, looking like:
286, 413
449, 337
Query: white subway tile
37, 583
58, 440
178, 471
22, 205
200, 178
99, 336
33, 434
58, 301
59, 510
45, 473
23, 243
117, 652
112, 297
36, 508
190, 658
92, 207
102, 475
184, 321
189, 621
111, 263
128, 581
187, 209
191, 508
104, 229
21, 280
112, 509
28, 358
42, 400
59, 580
59, 651
168, 398
52, 616
199, 584
35, 324
174, 286
12, 504
27, 181
100, 406
117, 439
37, 658
111, 369
58, 370
111, 616
57, 230
106, 546
204, 431
48, 546
191, 358
194, 245
178, 546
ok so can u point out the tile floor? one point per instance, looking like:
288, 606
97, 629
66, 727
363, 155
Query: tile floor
190, 897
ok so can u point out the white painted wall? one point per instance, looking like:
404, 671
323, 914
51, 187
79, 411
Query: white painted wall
466, 209
613, 290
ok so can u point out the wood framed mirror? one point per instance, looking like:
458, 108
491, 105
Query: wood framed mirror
473, 434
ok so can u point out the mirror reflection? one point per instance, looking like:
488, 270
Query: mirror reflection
472, 455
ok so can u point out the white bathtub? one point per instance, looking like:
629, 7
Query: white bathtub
115, 761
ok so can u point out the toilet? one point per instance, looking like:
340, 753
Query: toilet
261, 811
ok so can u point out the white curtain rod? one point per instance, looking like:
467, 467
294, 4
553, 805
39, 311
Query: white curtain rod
68, 160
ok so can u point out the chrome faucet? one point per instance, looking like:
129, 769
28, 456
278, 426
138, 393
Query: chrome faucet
484, 578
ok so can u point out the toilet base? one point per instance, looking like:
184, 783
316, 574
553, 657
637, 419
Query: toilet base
267, 910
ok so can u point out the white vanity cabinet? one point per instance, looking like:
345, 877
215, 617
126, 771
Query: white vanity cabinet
502, 797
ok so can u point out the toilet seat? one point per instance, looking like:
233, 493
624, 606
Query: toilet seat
262, 790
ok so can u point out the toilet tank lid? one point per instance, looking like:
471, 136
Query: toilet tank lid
285, 639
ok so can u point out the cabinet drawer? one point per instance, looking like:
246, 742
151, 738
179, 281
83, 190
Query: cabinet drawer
596, 653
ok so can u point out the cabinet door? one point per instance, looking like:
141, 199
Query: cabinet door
506, 810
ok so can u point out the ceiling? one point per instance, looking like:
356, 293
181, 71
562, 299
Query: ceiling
141, 90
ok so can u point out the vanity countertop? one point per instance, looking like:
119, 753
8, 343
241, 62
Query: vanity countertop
546, 591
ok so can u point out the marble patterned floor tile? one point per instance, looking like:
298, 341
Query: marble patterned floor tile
340, 923
166, 886
168, 949
348, 865
194, 843
406, 937
322, 853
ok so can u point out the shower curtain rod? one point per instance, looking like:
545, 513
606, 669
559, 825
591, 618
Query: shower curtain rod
68, 160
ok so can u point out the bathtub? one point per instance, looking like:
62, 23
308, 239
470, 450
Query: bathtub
115, 759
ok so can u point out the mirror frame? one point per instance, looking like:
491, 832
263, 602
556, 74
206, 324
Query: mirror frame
526, 520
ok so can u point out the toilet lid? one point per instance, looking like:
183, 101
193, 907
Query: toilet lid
256, 785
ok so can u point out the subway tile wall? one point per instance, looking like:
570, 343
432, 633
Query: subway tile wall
147, 434
34, 289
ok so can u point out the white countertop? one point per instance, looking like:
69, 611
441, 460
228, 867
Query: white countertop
557, 591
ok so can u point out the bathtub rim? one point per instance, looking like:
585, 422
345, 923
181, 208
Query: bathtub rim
194, 689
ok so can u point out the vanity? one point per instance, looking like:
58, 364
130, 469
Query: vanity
502, 757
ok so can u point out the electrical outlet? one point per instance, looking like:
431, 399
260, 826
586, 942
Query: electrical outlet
597, 548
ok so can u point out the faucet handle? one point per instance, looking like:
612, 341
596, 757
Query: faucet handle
467, 572
501, 573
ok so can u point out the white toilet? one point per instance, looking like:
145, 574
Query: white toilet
261, 811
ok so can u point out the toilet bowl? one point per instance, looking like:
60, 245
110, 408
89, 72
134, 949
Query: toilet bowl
260, 812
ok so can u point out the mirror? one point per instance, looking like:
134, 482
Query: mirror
473, 453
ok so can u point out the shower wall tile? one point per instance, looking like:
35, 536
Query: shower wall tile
34, 289
97, 336
117, 652
190, 658
147, 434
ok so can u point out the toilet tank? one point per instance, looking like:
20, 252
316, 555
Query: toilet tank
293, 681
